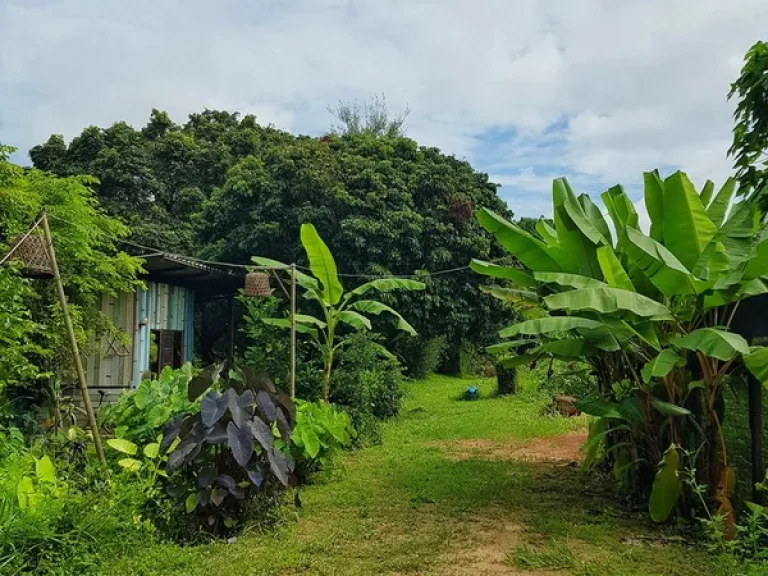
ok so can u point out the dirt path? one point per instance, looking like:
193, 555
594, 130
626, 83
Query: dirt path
559, 449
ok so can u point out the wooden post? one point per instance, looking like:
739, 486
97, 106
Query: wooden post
73, 341
756, 430
232, 331
293, 330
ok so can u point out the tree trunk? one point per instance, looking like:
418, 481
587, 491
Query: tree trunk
506, 379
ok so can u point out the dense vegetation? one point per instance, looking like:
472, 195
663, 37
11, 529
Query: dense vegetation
227, 188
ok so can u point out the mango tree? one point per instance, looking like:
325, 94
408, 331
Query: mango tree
337, 308
651, 314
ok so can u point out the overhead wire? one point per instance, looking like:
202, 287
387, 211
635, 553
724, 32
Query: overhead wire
153, 249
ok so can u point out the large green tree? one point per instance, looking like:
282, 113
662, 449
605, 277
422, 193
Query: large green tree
226, 188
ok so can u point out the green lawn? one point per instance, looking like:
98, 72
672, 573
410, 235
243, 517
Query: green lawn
445, 494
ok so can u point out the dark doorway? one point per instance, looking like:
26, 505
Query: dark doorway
170, 349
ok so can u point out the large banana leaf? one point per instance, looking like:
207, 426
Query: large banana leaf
667, 486
595, 217
757, 363
621, 210
354, 319
613, 271
547, 233
529, 250
386, 285
706, 194
519, 277
374, 307
322, 264
654, 203
687, 228
575, 212
567, 280
757, 265
304, 280
506, 346
607, 300
510, 294
738, 231
566, 348
715, 343
719, 206
303, 328
662, 365
658, 264
571, 234
547, 325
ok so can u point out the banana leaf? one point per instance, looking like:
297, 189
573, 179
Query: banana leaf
715, 343
322, 264
607, 300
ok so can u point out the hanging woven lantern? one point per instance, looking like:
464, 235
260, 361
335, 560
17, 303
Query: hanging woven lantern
34, 254
257, 284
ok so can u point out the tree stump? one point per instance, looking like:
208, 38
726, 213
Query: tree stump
506, 379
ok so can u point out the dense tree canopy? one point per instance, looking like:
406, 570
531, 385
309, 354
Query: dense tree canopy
227, 188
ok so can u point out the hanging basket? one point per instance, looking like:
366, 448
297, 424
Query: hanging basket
257, 284
34, 254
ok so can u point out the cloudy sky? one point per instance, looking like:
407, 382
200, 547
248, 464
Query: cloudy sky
525, 90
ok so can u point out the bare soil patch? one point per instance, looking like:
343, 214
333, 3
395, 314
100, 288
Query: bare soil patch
560, 449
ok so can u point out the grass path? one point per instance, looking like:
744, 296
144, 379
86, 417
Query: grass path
447, 493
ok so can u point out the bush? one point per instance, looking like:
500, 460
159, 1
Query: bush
422, 357
367, 385
140, 414
320, 434
474, 362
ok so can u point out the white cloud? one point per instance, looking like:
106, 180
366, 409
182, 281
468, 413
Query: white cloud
627, 86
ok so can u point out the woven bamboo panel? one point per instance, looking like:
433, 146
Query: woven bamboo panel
257, 284
34, 254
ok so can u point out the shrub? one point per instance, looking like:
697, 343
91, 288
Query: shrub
321, 432
474, 362
140, 414
224, 454
422, 357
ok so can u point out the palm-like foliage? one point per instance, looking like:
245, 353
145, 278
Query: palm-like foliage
338, 308
650, 312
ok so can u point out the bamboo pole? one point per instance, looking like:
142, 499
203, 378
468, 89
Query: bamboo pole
72, 340
293, 330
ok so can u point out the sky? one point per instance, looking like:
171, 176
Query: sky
526, 90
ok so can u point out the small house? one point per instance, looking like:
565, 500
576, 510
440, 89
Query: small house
156, 324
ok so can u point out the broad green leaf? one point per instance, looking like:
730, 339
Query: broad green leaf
510, 294
191, 502
322, 264
304, 280
658, 264
706, 193
143, 394
613, 271
621, 210
576, 214
654, 203
386, 285
529, 250
374, 307
547, 233
310, 441
738, 231
712, 262
603, 337
669, 409
662, 365
357, 321
715, 343
571, 235
517, 361
646, 331
568, 348
591, 447
124, 446
667, 486
595, 217
757, 265
548, 325
152, 451
130, 464
45, 471
309, 320
600, 408
569, 280
757, 363
286, 323
506, 346
606, 300
519, 277
25, 489
687, 228
719, 206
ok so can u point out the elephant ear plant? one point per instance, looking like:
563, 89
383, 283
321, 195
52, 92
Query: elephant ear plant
651, 314
337, 307
237, 444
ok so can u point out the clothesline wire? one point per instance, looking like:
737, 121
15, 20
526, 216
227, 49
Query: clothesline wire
153, 249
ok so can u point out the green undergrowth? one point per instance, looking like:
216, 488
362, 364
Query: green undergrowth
411, 506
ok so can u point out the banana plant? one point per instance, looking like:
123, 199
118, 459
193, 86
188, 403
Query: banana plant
338, 309
650, 312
